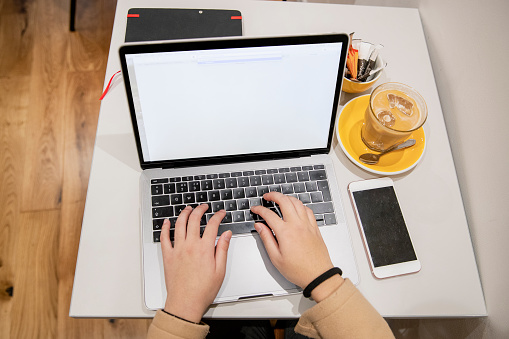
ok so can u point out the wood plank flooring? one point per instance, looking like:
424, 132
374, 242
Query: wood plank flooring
50, 84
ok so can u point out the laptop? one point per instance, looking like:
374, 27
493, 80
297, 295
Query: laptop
222, 121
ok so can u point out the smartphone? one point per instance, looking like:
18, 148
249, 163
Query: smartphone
383, 228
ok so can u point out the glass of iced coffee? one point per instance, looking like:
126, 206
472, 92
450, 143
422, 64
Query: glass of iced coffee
394, 112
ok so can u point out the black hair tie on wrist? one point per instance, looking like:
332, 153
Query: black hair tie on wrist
321, 278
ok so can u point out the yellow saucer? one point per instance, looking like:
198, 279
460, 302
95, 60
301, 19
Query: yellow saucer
348, 128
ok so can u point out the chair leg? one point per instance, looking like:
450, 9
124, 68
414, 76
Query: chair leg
73, 16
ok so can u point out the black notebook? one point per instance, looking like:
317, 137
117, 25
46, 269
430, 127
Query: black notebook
150, 24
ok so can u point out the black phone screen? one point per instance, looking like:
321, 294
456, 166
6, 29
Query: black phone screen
384, 227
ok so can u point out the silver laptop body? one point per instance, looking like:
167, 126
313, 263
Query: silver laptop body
227, 120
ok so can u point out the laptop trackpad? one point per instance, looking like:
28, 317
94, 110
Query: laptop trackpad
250, 273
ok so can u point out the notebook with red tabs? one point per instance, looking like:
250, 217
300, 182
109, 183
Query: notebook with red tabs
151, 24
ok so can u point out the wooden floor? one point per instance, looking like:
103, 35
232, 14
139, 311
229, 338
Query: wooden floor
50, 84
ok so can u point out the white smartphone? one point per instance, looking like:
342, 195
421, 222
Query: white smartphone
383, 228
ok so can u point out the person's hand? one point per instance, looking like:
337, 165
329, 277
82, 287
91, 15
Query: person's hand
299, 252
194, 267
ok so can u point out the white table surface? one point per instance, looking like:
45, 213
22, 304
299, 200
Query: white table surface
108, 281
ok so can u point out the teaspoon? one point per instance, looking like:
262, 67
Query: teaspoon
372, 159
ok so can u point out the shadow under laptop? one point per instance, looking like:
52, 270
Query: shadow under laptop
252, 329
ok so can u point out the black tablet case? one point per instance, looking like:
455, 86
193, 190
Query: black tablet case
149, 24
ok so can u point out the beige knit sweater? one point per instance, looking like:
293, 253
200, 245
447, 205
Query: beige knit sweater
344, 314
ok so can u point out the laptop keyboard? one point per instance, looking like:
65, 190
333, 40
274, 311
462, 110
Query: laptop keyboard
236, 193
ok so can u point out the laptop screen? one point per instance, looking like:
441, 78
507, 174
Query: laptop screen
216, 103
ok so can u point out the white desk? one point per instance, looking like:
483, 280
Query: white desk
108, 280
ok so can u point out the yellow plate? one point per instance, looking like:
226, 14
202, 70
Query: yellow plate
349, 136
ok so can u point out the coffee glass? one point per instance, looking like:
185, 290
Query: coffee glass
395, 110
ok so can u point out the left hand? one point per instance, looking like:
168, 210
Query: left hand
194, 267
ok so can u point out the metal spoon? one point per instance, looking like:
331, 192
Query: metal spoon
372, 159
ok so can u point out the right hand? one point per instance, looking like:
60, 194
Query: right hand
299, 252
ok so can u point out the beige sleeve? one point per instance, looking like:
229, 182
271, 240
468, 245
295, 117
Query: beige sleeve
343, 314
165, 326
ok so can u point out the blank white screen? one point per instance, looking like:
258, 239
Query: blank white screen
222, 102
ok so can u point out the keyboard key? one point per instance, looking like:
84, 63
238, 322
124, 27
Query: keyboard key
176, 199
217, 206
238, 216
236, 174
160, 200
323, 187
203, 220
157, 224
305, 198
295, 169
199, 177
189, 198
319, 167
227, 219
322, 207
272, 171
260, 172
201, 197
179, 209
213, 195
284, 170
243, 204
157, 236
251, 192
317, 175
311, 186
231, 182
266, 203
226, 194
255, 180
303, 176
169, 188
206, 185
299, 187
157, 189
238, 193
262, 190
162, 212
187, 178
330, 219
230, 205
236, 228
218, 184
319, 220
291, 177
249, 216
255, 202
159, 181
224, 175
307, 168
287, 188
176, 179
279, 178
212, 176
267, 179
181, 187
275, 188
194, 186
173, 221
248, 173
243, 181
316, 197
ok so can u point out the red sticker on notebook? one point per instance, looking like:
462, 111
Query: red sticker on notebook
236, 18
133, 15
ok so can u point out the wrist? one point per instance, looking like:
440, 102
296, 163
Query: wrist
184, 313
326, 288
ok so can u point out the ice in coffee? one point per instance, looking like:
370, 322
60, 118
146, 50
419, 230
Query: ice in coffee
394, 112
